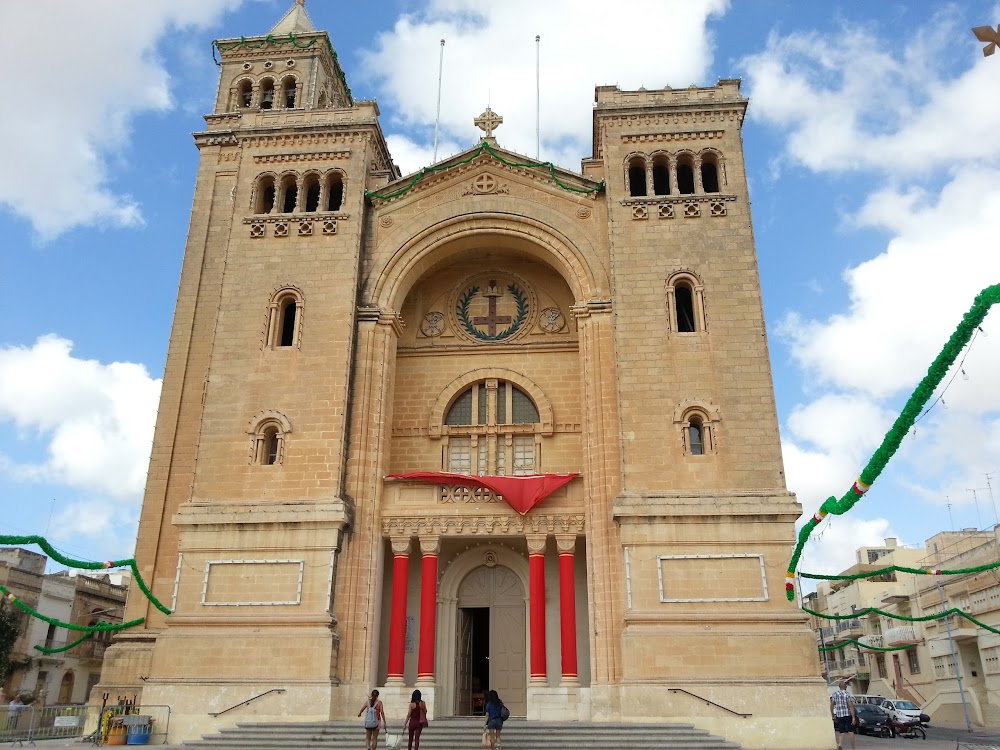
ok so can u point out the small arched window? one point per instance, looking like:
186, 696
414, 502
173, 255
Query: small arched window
264, 203
268, 439
710, 173
311, 187
661, 175
267, 93
288, 92
322, 100
245, 93
637, 177
285, 318
685, 303
289, 195
334, 191
492, 430
698, 424
696, 436
685, 175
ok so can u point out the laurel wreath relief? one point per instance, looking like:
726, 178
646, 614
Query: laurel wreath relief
462, 309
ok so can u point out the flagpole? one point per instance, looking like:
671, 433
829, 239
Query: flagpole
437, 119
538, 97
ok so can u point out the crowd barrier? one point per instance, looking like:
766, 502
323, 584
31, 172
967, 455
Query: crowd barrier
111, 725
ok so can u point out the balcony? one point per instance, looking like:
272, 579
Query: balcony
901, 635
849, 628
874, 641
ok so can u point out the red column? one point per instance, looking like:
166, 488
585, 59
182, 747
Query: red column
536, 606
397, 625
428, 609
567, 608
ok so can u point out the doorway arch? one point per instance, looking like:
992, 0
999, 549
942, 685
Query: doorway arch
494, 579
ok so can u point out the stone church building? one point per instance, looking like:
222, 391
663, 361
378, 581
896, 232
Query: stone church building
591, 342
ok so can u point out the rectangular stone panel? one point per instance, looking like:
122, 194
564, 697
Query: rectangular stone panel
245, 583
712, 578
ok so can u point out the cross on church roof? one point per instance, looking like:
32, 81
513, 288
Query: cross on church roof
488, 121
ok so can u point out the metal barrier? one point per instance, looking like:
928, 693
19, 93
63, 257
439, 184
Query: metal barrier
115, 725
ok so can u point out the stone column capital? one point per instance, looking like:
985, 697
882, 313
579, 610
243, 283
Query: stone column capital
400, 545
429, 545
536, 542
566, 542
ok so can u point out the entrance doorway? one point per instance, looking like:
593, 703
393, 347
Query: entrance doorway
491, 653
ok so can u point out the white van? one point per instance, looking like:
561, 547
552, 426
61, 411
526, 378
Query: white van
875, 700
901, 710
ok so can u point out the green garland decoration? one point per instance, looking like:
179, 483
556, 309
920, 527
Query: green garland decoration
904, 618
484, 146
902, 569
59, 650
69, 562
103, 627
271, 39
900, 428
462, 308
865, 646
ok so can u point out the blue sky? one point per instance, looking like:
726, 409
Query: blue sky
872, 145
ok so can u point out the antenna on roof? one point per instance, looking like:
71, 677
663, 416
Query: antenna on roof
437, 119
538, 97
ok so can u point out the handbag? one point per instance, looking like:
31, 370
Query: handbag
392, 740
486, 738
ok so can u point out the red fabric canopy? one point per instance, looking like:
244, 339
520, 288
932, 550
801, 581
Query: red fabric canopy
521, 493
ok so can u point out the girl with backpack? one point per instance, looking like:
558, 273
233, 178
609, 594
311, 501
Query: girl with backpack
374, 716
496, 714
416, 720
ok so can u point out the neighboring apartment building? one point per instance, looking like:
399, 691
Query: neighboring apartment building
67, 596
924, 673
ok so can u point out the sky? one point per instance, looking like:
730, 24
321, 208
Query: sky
872, 144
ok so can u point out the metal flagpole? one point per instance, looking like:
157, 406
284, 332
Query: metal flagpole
538, 97
954, 660
437, 119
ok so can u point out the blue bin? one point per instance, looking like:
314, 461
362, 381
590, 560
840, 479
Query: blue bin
140, 735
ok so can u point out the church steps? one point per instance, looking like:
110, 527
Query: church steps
456, 734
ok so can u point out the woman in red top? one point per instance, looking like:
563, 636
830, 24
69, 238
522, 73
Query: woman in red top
416, 720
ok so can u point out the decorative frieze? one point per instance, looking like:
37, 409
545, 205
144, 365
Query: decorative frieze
483, 525
305, 225
310, 156
688, 206
682, 135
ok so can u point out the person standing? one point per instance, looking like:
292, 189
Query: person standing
416, 720
495, 713
14, 709
374, 717
845, 719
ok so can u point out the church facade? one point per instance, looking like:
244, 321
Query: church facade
599, 334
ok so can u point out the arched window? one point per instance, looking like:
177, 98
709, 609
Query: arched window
710, 173
288, 92
268, 437
698, 424
334, 191
685, 303
245, 94
311, 187
492, 428
322, 103
264, 203
288, 194
285, 318
637, 177
661, 175
685, 175
267, 93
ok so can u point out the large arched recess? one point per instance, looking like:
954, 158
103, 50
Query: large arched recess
424, 249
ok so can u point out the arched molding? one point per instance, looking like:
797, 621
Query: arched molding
419, 250
686, 277
707, 417
706, 409
276, 311
263, 418
459, 384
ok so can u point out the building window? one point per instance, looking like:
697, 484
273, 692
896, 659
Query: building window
288, 194
311, 189
285, 318
637, 177
698, 425
685, 174
244, 94
268, 439
288, 92
913, 661
696, 437
880, 665
685, 303
267, 93
661, 175
492, 427
264, 201
710, 173
334, 191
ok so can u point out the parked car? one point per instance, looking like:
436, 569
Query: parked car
875, 700
872, 720
900, 710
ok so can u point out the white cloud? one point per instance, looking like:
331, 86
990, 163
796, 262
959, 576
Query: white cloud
99, 70
490, 58
97, 419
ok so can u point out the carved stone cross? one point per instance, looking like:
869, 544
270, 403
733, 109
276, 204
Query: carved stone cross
492, 293
488, 121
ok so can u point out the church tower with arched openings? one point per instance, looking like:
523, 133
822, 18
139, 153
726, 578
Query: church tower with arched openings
493, 425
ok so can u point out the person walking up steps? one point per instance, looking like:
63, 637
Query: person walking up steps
496, 714
374, 716
416, 720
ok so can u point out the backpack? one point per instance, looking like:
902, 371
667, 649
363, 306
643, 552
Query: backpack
504, 712
371, 717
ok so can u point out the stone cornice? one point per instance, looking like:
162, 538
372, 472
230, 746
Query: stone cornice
484, 525
683, 135
285, 158
710, 504
690, 198
310, 216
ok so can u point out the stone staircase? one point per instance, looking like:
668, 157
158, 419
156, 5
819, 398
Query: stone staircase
465, 734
